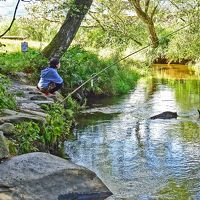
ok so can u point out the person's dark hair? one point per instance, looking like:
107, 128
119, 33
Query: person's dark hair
53, 62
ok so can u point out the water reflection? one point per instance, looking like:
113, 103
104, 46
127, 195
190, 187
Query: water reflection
139, 158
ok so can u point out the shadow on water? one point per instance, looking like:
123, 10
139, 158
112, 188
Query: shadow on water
138, 158
94, 118
92, 196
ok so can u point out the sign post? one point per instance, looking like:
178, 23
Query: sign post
24, 47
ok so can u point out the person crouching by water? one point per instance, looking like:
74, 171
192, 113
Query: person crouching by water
50, 81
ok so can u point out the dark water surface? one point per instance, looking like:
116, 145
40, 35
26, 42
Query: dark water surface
144, 159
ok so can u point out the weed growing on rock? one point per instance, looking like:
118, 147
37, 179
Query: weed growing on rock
6, 99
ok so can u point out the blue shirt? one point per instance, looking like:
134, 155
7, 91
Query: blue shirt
49, 75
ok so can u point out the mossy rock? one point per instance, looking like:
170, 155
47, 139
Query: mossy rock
4, 152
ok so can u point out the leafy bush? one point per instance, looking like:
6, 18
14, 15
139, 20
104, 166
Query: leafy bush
184, 46
27, 135
18, 61
6, 99
57, 126
34, 28
49, 137
78, 65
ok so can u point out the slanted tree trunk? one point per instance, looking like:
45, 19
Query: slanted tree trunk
147, 18
153, 35
62, 40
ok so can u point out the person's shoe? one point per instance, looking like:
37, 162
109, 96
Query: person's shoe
38, 88
46, 93
53, 93
50, 94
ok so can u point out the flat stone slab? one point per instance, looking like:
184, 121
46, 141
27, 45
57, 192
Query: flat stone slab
17, 117
38, 97
43, 102
32, 112
21, 101
31, 106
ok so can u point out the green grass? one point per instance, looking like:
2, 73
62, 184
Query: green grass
13, 60
77, 66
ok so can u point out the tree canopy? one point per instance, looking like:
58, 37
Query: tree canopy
116, 24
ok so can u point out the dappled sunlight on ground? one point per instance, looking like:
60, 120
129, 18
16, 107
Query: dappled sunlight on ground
15, 45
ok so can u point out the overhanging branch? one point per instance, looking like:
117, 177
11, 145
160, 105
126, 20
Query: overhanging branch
12, 20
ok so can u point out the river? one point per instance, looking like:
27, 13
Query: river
143, 159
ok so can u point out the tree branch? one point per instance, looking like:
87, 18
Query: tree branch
176, 6
12, 20
154, 11
146, 6
141, 14
93, 17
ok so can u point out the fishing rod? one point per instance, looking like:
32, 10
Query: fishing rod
95, 75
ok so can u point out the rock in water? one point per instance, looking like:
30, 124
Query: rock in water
165, 115
41, 176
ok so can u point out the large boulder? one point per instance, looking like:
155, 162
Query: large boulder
41, 176
4, 152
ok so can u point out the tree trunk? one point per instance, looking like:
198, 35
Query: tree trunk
153, 35
62, 40
147, 19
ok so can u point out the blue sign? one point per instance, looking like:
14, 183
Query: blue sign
24, 46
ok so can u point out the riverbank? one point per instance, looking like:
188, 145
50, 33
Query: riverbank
77, 66
30, 125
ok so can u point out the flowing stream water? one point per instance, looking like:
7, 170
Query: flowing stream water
143, 159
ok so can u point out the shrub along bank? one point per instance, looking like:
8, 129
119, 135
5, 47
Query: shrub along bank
29, 130
77, 65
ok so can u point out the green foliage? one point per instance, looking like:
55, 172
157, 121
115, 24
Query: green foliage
18, 61
79, 65
71, 108
16, 30
6, 99
12, 146
38, 29
49, 137
184, 46
160, 52
112, 24
32, 28
115, 25
27, 134
57, 127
